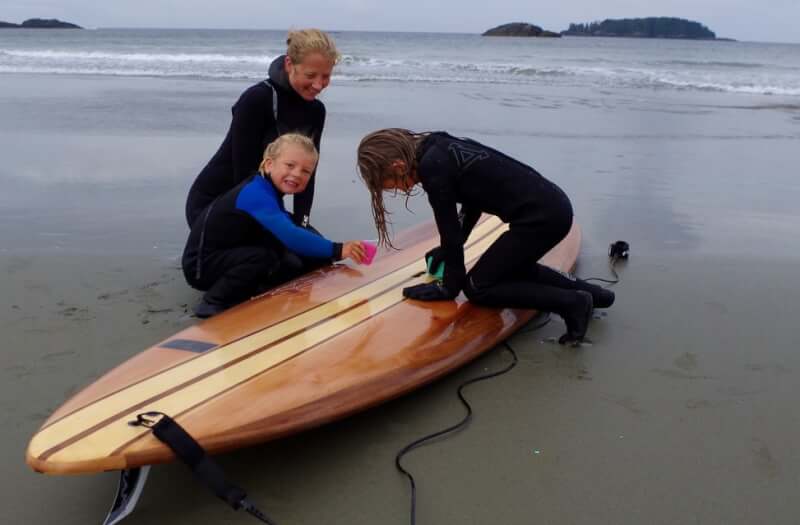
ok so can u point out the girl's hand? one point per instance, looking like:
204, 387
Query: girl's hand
354, 250
434, 291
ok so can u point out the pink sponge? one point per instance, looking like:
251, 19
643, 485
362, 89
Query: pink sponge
371, 249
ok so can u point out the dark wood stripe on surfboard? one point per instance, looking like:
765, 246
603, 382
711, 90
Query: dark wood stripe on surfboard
491, 231
232, 362
107, 421
252, 378
190, 345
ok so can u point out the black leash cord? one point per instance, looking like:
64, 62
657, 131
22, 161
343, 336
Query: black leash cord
617, 252
421, 441
206, 470
611, 264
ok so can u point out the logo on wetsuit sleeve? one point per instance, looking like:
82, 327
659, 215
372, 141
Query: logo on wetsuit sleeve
466, 156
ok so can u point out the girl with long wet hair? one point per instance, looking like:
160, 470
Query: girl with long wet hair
455, 171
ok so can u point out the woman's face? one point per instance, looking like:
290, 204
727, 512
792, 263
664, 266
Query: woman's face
309, 77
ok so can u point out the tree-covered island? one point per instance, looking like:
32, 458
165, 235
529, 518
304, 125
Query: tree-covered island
519, 29
40, 23
652, 27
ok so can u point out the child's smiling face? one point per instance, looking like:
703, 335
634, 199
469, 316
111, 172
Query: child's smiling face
291, 170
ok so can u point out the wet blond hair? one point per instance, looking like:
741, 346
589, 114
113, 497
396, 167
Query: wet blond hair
376, 153
303, 42
275, 148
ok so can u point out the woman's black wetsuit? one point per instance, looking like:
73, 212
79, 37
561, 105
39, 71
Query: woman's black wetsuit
252, 128
539, 214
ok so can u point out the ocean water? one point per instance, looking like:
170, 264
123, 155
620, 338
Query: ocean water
668, 144
736, 67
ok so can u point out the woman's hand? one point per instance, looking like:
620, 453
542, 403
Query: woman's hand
355, 251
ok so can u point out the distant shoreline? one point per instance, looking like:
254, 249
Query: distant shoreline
40, 23
476, 32
649, 27
640, 37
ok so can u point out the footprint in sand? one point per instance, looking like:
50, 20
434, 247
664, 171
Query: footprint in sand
764, 460
57, 355
112, 295
686, 362
774, 368
628, 403
75, 313
17, 264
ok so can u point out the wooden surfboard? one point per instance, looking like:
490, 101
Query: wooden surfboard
326, 345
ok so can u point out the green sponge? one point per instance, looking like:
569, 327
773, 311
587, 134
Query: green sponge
438, 272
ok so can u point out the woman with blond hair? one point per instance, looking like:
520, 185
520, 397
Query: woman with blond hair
285, 102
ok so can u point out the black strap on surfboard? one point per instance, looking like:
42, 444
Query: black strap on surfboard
169, 432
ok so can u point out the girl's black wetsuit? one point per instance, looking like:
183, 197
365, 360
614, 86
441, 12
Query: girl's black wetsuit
539, 214
252, 128
237, 247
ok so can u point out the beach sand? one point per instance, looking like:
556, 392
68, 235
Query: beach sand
682, 411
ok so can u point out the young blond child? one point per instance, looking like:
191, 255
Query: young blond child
238, 245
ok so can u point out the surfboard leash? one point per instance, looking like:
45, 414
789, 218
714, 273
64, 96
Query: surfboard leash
617, 251
458, 426
189, 451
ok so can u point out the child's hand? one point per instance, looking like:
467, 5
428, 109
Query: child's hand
355, 251
369, 252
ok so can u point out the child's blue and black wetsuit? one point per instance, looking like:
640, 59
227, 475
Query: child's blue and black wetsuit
252, 128
236, 247
456, 171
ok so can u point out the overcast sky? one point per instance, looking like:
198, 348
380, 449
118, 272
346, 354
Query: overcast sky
754, 20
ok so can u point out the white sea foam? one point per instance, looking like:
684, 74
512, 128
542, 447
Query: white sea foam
100, 56
123, 72
458, 59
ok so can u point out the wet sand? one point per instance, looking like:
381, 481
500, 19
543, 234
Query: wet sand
682, 411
